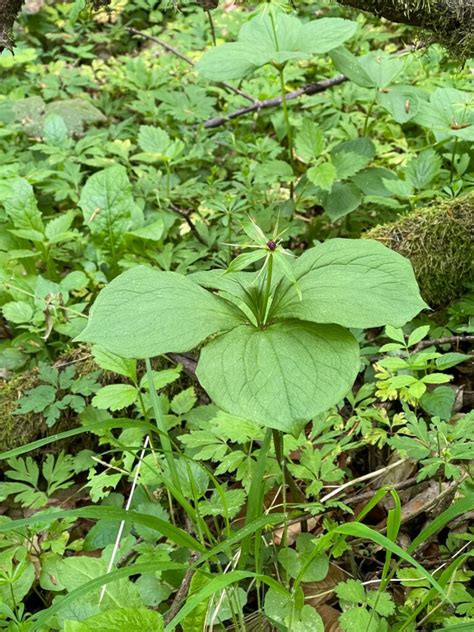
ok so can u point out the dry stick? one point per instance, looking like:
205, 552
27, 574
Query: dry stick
188, 363
174, 51
443, 341
359, 498
366, 477
183, 590
311, 88
368, 495
185, 215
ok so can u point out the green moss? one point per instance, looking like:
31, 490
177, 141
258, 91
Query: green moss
449, 22
439, 241
18, 430
9, 9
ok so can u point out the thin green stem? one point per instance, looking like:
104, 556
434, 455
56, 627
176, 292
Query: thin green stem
268, 287
160, 423
453, 158
368, 115
255, 499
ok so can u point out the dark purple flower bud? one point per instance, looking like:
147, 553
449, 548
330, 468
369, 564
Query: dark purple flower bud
271, 245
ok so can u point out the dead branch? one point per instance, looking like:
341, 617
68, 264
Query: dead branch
311, 88
443, 341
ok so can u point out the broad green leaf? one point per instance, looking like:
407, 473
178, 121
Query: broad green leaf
363, 147
354, 283
58, 228
436, 378
449, 112
119, 620
348, 163
273, 37
439, 402
309, 141
400, 188
280, 376
422, 170
55, 131
106, 201
18, 312
153, 140
349, 65
161, 378
370, 181
24, 577
381, 67
231, 61
395, 333
245, 260
115, 397
326, 34
323, 176
451, 359
418, 334
144, 313
18, 199
403, 102
342, 200
274, 171
111, 362
183, 401
153, 231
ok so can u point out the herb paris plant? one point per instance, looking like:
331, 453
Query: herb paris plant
280, 370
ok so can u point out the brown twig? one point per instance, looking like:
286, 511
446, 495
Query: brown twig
357, 498
311, 88
182, 593
174, 51
186, 216
188, 363
443, 341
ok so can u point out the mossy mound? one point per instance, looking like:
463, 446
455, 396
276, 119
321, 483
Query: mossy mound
449, 22
18, 430
439, 242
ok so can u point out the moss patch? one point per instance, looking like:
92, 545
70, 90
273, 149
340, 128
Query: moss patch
439, 241
18, 430
449, 22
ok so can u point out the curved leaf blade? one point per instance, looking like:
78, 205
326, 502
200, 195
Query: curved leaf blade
280, 376
354, 283
144, 313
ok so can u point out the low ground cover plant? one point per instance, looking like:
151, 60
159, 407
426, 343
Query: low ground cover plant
237, 321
